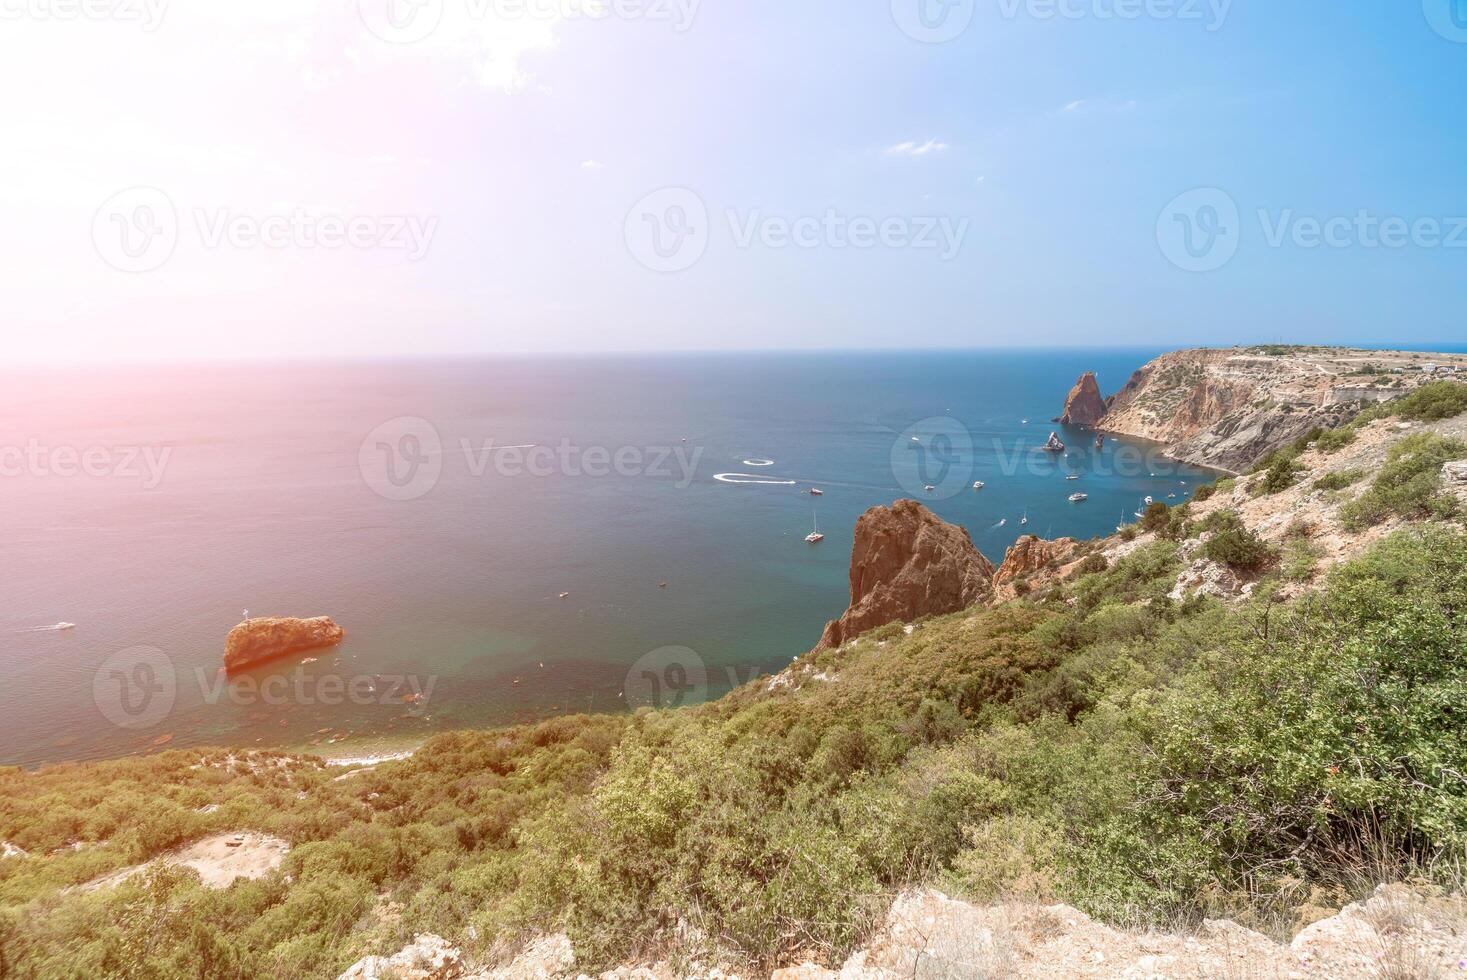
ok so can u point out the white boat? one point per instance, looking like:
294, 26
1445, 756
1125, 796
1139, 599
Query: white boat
565, 595
978, 484
929, 488
1149, 501
1075, 498
815, 537
1002, 521
915, 439
1053, 444
1073, 476
65, 626
1023, 421
1025, 518
814, 492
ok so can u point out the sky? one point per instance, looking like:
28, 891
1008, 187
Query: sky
201, 179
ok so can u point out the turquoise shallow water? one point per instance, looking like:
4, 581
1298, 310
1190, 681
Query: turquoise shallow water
370, 493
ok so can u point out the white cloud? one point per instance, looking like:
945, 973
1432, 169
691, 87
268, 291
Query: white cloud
911, 149
591, 165
1074, 105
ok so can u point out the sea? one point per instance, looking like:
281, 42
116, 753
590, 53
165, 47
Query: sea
503, 539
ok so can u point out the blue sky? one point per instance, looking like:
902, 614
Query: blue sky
1024, 173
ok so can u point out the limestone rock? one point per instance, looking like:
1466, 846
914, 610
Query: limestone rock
908, 563
1035, 561
1083, 406
428, 957
258, 640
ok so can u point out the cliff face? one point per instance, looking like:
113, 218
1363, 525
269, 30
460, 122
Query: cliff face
259, 640
908, 563
1083, 406
1034, 561
1226, 409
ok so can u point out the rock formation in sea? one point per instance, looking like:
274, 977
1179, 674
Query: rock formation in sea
258, 640
1083, 405
908, 563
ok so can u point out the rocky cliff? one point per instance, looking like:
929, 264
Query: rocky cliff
1033, 561
1083, 406
1228, 408
258, 640
908, 563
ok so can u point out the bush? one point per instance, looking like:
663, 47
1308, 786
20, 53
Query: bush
1433, 401
1335, 440
1204, 492
1281, 474
1408, 483
1339, 480
1234, 545
1156, 518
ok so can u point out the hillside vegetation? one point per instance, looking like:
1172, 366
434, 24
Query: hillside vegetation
1143, 759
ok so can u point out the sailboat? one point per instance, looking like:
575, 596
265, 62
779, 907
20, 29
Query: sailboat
1025, 518
815, 537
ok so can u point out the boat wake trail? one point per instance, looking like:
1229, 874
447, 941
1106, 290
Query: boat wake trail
753, 479
53, 628
758, 461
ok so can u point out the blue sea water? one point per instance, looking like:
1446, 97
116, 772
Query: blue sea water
388, 497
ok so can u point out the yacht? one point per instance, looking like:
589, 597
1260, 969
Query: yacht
1075, 498
1149, 501
1053, 444
1073, 476
64, 626
978, 484
815, 537
1025, 518
1002, 521
929, 488
816, 492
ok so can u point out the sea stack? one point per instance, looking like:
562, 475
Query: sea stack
1084, 406
257, 640
908, 563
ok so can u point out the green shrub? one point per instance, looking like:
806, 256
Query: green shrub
1408, 484
1232, 544
1335, 440
1433, 401
1339, 480
1204, 492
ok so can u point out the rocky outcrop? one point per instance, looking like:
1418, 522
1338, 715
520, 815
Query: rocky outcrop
1083, 405
1032, 562
1397, 932
427, 957
1226, 409
258, 640
908, 563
